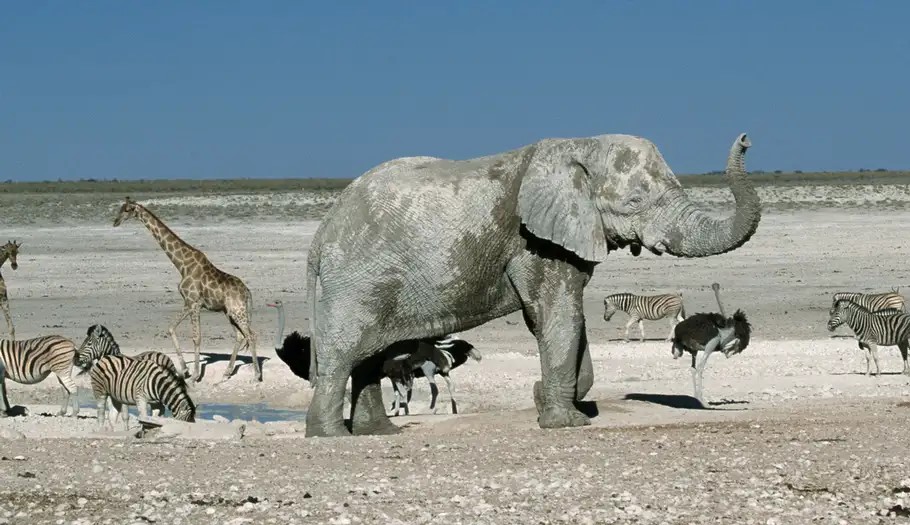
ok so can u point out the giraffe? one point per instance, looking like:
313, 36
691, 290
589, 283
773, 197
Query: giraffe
8, 251
202, 285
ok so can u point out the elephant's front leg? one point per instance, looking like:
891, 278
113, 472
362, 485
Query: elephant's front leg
565, 364
368, 414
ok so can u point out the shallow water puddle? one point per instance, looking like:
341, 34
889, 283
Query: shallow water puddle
260, 412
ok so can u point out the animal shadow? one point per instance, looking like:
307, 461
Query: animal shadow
681, 401
859, 373
17, 411
633, 340
240, 361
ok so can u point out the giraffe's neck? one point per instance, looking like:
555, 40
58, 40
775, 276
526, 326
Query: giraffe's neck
178, 251
4, 255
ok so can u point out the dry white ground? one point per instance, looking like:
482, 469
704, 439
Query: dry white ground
796, 432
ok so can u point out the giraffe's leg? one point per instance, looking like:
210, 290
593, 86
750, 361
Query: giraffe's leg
242, 323
195, 313
238, 343
172, 329
4, 402
4, 305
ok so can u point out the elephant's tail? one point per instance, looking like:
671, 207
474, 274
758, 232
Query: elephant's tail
312, 273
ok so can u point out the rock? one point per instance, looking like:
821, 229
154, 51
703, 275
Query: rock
203, 430
9, 433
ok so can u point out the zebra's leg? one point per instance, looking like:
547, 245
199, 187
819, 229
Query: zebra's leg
4, 402
641, 328
867, 354
632, 320
904, 346
69, 395
873, 348
102, 411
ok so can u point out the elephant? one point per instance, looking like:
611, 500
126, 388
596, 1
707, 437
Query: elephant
420, 247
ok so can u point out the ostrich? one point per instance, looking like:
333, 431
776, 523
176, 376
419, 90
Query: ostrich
426, 358
414, 358
708, 332
294, 350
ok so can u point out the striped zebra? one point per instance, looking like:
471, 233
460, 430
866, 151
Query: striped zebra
99, 342
646, 307
142, 383
885, 327
30, 361
873, 301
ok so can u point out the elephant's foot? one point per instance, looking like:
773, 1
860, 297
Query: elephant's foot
326, 431
562, 417
556, 416
380, 426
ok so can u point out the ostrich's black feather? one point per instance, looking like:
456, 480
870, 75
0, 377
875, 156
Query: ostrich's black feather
296, 354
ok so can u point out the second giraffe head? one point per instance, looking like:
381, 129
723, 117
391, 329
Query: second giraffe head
127, 211
9, 251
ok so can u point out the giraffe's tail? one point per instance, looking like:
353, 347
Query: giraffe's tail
312, 273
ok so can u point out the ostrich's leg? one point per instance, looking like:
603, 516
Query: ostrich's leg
699, 370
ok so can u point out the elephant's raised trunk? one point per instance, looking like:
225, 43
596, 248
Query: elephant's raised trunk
697, 234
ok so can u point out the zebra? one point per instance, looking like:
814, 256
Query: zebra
30, 361
874, 301
128, 381
99, 342
650, 307
885, 327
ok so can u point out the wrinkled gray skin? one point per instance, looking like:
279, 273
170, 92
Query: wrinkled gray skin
421, 247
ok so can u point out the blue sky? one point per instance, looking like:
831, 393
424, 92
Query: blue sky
170, 89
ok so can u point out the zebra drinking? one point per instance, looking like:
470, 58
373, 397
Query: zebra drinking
128, 381
30, 361
649, 307
884, 327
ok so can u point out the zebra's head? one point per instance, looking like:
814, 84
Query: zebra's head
98, 342
838, 314
609, 308
185, 410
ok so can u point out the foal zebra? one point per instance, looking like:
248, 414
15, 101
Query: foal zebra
99, 342
650, 307
132, 382
884, 327
873, 301
30, 361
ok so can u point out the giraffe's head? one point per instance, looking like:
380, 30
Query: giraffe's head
9, 251
127, 211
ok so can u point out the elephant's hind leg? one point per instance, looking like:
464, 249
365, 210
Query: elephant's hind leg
368, 414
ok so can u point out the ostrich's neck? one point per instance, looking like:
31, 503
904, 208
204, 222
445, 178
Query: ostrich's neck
280, 339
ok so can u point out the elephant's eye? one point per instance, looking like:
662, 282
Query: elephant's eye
633, 201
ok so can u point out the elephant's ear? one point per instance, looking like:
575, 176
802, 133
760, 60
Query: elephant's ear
556, 203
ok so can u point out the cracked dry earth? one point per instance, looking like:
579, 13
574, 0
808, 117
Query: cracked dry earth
835, 463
